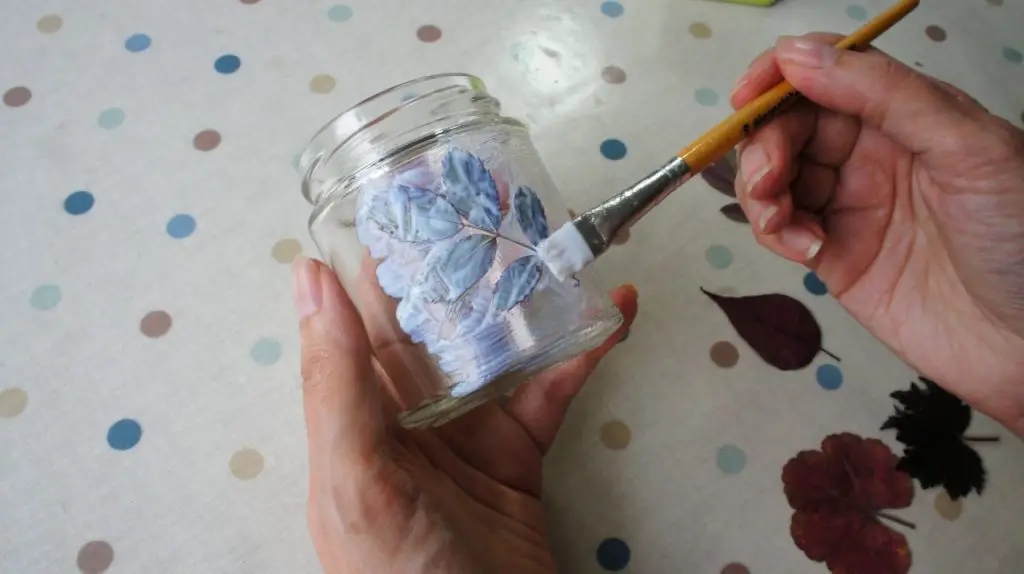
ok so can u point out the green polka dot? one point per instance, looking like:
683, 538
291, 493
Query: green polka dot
266, 351
706, 97
110, 118
1013, 55
45, 297
718, 256
731, 459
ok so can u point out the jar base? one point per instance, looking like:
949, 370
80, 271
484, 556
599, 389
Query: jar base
436, 412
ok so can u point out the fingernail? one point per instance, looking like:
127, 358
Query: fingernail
755, 165
806, 53
766, 217
800, 239
306, 290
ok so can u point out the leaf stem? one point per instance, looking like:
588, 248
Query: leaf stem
896, 519
829, 353
498, 235
985, 438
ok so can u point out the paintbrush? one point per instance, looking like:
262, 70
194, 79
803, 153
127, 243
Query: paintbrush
577, 243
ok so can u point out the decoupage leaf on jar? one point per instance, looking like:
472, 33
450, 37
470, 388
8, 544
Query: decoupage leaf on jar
421, 215
734, 212
517, 281
453, 267
931, 422
839, 495
530, 215
471, 189
779, 328
721, 175
375, 223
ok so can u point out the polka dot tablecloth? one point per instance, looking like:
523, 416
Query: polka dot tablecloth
150, 416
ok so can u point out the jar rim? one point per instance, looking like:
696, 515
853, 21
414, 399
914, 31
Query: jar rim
347, 124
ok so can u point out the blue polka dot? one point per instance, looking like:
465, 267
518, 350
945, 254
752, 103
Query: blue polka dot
227, 64
137, 42
814, 284
408, 97
613, 149
110, 118
79, 202
1013, 55
181, 226
829, 377
613, 554
706, 96
612, 9
45, 297
266, 351
124, 434
718, 256
339, 13
857, 12
731, 459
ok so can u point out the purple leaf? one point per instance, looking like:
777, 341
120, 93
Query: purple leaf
778, 327
530, 215
471, 189
734, 212
721, 176
421, 216
517, 282
452, 268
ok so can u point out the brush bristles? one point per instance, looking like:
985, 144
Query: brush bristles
565, 252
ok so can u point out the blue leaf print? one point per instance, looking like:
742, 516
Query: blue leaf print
530, 215
415, 321
422, 216
517, 282
452, 268
471, 189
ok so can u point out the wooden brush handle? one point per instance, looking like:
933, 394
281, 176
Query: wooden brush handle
720, 139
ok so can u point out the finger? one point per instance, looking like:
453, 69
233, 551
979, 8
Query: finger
879, 90
815, 186
802, 239
540, 405
342, 404
411, 375
835, 136
764, 73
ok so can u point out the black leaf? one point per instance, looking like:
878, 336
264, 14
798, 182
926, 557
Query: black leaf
930, 423
734, 212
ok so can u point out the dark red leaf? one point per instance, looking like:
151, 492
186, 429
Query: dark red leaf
838, 494
779, 328
721, 175
734, 212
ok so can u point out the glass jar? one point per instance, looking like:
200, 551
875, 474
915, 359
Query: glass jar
429, 205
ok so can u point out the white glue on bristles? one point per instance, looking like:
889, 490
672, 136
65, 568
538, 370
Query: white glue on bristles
565, 252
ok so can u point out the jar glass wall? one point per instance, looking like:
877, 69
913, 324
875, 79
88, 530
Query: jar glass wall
429, 206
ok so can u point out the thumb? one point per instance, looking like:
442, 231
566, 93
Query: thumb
339, 385
885, 94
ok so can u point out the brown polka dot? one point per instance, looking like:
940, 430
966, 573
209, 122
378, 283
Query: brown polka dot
17, 96
286, 250
155, 324
700, 30
615, 435
572, 214
935, 33
735, 568
613, 75
948, 508
621, 237
724, 354
246, 464
49, 24
206, 140
321, 84
95, 557
428, 33
12, 403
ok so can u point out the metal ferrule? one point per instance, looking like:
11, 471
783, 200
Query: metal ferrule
600, 225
